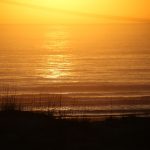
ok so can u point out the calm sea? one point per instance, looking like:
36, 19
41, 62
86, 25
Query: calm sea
99, 67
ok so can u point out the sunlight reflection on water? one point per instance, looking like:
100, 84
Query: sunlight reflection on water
56, 66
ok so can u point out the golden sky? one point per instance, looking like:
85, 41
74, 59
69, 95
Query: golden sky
71, 11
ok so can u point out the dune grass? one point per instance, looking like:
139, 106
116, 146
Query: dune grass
21, 128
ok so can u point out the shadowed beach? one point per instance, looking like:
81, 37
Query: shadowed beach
28, 130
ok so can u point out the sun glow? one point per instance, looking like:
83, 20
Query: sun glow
63, 4
69, 11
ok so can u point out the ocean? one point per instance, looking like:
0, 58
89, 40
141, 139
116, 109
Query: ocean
98, 69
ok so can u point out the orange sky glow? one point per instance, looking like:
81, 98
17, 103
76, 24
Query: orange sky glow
68, 11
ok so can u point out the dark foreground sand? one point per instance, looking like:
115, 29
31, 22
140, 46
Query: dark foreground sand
29, 131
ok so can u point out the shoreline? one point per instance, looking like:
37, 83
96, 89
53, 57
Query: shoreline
70, 107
